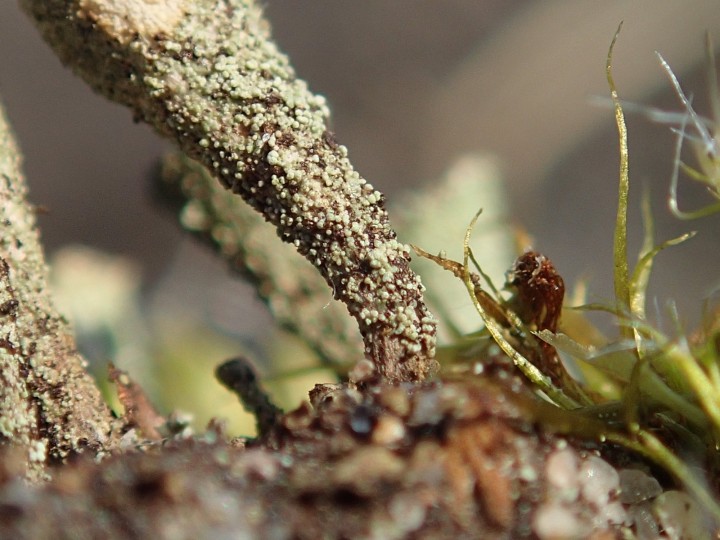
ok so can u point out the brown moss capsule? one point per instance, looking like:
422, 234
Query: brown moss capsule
540, 290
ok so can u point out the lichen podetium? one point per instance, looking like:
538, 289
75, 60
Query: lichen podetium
217, 84
49, 405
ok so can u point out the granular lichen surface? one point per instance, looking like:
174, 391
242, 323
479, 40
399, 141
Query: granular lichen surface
221, 89
49, 405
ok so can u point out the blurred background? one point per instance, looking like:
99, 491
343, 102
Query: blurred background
414, 85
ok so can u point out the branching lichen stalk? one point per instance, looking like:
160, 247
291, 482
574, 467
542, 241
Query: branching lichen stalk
207, 74
49, 405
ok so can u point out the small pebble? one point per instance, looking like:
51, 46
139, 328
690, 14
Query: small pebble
646, 528
680, 517
554, 521
389, 430
562, 473
637, 486
599, 481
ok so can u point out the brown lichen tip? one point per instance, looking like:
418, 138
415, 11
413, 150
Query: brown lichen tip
238, 375
217, 84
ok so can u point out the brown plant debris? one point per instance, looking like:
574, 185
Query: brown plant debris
540, 290
139, 412
466, 459
539, 293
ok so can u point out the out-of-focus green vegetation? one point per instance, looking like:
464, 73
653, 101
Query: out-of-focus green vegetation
653, 390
